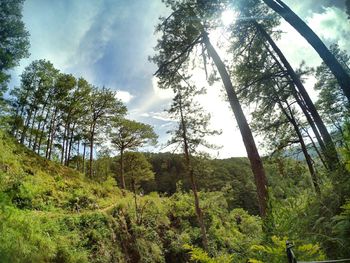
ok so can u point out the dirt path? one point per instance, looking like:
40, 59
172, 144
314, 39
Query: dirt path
52, 214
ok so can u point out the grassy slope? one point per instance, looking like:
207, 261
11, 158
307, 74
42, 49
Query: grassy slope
43, 207
50, 213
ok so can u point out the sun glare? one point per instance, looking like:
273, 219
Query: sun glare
228, 17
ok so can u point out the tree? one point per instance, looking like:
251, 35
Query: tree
306, 104
129, 135
249, 34
64, 84
103, 105
190, 134
31, 99
182, 31
14, 39
332, 102
268, 84
329, 59
136, 170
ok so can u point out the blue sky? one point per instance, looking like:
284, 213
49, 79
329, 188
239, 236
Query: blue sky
108, 41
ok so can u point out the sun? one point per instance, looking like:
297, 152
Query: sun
228, 17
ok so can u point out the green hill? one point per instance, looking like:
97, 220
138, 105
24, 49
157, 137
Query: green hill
51, 213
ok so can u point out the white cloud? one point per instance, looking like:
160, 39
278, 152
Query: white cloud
161, 115
332, 26
124, 96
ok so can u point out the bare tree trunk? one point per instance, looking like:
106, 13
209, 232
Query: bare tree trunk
248, 139
295, 21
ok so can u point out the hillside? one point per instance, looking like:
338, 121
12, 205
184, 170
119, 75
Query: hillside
51, 213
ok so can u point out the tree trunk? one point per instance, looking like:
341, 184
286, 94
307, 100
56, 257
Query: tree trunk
330, 152
121, 161
84, 153
63, 143
320, 156
52, 138
70, 144
32, 128
25, 127
78, 155
309, 163
337, 69
41, 122
189, 170
41, 128
311, 122
91, 149
248, 139
67, 144
50, 133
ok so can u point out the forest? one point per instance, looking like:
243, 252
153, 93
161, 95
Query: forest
83, 181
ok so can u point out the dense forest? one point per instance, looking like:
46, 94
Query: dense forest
77, 185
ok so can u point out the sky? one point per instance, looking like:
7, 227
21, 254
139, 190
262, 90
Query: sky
108, 43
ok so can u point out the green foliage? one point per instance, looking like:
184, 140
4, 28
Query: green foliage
51, 213
137, 169
276, 252
332, 103
200, 256
14, 39
341, 227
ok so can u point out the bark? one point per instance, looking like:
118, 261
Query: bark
330, 150
248, 139
337, 69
